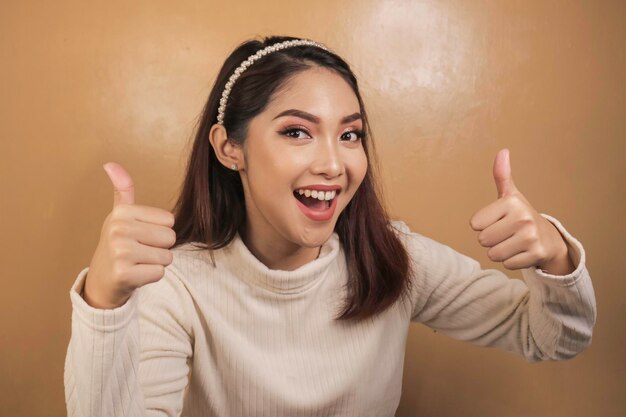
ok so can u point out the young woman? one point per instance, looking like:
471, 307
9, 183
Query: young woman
281, 287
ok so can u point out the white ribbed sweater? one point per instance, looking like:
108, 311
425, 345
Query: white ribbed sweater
244, 340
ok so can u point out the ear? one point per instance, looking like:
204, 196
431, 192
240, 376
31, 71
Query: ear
227, 152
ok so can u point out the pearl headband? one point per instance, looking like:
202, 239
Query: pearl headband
251, 59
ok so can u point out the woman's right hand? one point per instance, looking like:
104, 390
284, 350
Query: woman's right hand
133, 249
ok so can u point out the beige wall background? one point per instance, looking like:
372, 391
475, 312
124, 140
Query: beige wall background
447, 84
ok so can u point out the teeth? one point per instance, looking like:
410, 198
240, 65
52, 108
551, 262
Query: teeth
320, 195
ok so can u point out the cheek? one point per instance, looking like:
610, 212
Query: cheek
263, 167
358, 168
270, 180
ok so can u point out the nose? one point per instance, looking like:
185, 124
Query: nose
328, 159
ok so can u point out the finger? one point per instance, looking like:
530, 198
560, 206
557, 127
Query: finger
502, 174
508, 248
150, 255
148, 214
123, 187
520, 261
496, 233
488, 215
154, 235
142, 274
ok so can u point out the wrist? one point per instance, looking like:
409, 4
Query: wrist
96, 300
561, 264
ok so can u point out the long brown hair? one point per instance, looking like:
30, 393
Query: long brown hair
211, 206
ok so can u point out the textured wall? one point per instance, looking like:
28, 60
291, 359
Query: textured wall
447, 84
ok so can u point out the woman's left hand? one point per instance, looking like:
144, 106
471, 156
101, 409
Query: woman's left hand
515, 232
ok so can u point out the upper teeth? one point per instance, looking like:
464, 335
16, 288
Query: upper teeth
320, 195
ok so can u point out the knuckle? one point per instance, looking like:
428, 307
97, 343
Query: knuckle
530, 235
120, 275
509, 201
120, 252
160, 271
120, 211
171, 237
515, 199
119, 228
542, 255
523, 221
169, 257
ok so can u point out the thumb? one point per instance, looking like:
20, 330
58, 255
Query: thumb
502, 174
123, 187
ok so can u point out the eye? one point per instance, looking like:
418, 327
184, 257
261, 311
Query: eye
357, 135
294, 132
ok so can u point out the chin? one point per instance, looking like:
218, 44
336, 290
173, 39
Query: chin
314, 238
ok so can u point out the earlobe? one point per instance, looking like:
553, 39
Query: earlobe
226, 151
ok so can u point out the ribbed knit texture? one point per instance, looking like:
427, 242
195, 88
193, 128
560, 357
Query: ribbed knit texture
244, 340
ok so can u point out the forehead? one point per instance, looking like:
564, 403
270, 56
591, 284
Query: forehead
317, 90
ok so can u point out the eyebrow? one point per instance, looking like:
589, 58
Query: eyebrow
314, 119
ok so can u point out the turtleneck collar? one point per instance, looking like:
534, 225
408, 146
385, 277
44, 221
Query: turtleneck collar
246, 266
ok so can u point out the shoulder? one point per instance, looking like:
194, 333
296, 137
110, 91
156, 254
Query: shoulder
428, 253
413, 241
193, 258
400, 226
416, 245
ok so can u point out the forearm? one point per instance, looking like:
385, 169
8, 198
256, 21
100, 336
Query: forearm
551, 317
101, 363
564, 299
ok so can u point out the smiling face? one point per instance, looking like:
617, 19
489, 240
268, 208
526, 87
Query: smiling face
308, 136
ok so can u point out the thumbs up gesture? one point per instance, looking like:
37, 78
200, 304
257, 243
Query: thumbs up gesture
133, 249
515, 233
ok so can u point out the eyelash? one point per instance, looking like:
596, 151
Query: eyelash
357, 132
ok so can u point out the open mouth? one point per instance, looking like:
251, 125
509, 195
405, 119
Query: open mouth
314, 203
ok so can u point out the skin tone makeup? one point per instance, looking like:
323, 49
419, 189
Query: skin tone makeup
300, 166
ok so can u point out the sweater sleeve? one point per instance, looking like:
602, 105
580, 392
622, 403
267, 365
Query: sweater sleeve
132, 360
542, 317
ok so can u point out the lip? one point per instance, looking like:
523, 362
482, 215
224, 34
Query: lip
317, 215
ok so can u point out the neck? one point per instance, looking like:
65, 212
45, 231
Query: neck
279, 254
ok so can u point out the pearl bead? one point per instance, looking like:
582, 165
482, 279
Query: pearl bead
250, 60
